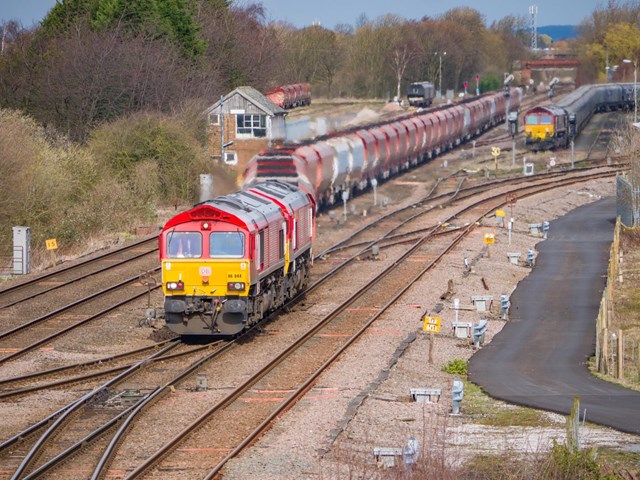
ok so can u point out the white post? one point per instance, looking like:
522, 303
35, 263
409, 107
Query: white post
573, 152
440, 77
222, 130
635, 91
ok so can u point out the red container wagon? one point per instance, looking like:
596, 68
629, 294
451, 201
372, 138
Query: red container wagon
458, 113
357, 161
319, 166
383, 151
396, 146
371, 157
341, 169
412, 136
290, 96
431, 133
442, 142
421, 137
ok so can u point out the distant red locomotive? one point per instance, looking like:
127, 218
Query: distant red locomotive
229, 261
290, 96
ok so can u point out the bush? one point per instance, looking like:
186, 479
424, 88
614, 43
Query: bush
565, 463
456, 366
158, 156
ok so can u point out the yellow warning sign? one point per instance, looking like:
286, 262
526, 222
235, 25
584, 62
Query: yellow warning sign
431, 324
500, 213
51, 244
489, 238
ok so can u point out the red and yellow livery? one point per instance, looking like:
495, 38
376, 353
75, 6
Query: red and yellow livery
230, 260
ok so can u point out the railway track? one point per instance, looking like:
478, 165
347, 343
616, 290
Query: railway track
75, 272
72, 374
83, 423
291, 374
20, 340
332, 330
402, 218
399, 239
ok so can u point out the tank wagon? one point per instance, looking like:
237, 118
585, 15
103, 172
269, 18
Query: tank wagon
421, 94
229, 261
290, 96
550, 126
350, 161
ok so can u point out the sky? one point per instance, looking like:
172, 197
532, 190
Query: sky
330, 13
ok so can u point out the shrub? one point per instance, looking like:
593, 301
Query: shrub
567, 463
153, 153
456, 366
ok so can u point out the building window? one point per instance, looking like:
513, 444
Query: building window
251, 126
230, 158
214, 119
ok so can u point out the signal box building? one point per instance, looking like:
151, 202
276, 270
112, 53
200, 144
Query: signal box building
241, 124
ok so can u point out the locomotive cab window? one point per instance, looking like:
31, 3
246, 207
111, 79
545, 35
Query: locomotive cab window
546, 120
184, 245
531, 120
226, 244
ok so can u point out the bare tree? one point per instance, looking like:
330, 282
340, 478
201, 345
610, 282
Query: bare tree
401, 56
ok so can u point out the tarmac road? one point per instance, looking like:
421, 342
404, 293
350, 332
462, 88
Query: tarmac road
539, 358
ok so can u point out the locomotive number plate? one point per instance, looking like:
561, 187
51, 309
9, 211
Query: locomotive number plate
205, 271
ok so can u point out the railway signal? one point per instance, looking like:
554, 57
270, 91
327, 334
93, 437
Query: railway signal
495, 151
513, 130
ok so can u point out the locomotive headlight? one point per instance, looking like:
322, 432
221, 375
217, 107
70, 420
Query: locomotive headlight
236, 286
175, 286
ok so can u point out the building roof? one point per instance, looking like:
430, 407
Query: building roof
253, 96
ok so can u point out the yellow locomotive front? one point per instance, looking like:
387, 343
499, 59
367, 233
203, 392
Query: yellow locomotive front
205, 277
545, 128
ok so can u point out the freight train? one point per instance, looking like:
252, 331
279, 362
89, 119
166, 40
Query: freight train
348, 162
229, 261
552, 126
290, 96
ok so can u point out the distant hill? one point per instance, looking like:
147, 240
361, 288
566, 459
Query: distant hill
559, 32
